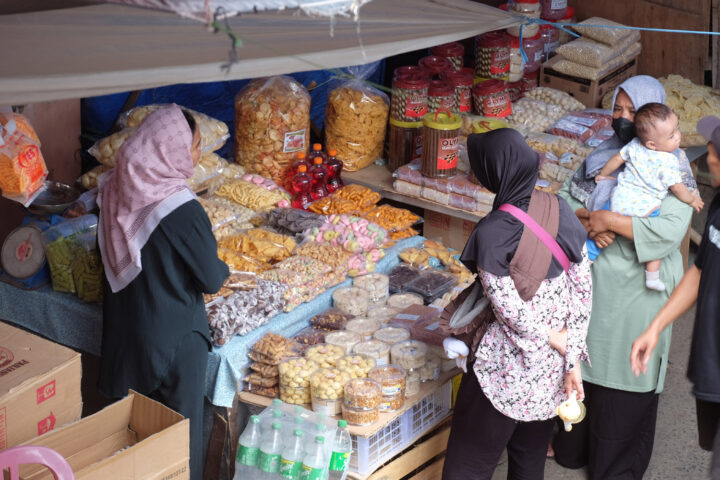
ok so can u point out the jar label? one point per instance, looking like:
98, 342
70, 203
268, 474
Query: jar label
447, 157
339, 461
247, 455
500, 61
448, 103
465, 100
497, 105
391, 390
290, 470
268, 463
558, 4
416, 105
294, 141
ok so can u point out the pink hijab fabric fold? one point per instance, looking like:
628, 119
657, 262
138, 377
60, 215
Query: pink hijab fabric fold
147, 184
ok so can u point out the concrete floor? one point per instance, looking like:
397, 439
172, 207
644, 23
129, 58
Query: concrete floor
676, 454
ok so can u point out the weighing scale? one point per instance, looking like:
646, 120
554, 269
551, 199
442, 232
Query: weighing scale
23, 258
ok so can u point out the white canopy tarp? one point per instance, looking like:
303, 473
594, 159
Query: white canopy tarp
109, 48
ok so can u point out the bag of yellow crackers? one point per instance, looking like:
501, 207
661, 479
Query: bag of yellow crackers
355, 120
22, 166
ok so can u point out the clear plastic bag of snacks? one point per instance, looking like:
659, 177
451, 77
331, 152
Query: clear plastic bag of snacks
22, 166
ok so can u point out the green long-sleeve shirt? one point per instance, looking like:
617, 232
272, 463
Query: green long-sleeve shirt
622, 306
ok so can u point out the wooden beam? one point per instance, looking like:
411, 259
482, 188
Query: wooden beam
418, 455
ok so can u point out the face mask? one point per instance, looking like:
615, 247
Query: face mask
624, 129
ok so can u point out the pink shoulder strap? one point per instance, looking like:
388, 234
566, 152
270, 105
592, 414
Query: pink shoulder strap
540, 232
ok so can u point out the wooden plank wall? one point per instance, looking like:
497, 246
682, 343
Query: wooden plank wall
663, 53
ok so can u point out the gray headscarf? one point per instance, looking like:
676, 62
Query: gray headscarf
641, 89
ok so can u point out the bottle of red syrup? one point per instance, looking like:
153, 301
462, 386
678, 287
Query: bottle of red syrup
319, 175
316, 152
300, 159
301, 185
334, 167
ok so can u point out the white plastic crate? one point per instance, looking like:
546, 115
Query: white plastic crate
369, 453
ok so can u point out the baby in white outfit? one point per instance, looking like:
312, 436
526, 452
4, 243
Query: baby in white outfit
650, 170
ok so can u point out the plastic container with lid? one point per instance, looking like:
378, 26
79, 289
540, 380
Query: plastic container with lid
404, 300
401, 275
435, 65
390, 377
391, 403
295, 396
412, 384
376, 349
325, 355
563, 36
343, 339
463, 83
553, 9
357, 366
363, 327
382, 314
454, 51
550, 39
363, 393
392, 335
376, 284
431, 370
327, 388
441, 95
517, 63
295, 372
515, 90
529, 8
441, 136
360, 416
492, 55
491, 99
404, 143
432, 284
351, 300
409, 98
530, 80
534, 50
409, 354
486, 124
408, 70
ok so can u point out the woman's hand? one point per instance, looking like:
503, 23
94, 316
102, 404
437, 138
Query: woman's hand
604, 239
573, 381
558, 340
584, 216
599, 222
642, 349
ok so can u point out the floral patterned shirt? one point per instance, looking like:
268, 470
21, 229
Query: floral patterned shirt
518, 370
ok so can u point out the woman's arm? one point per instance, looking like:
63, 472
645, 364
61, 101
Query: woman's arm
580, 303
602, 222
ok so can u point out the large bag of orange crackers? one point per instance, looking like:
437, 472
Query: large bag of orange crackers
22, 166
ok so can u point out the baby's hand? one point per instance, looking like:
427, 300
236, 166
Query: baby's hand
697, 204
603, 177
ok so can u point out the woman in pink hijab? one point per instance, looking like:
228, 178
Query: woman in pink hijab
160, 256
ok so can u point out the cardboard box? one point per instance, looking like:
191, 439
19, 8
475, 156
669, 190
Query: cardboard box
452, 232
39, 386
132, 439
589, 92
413, 315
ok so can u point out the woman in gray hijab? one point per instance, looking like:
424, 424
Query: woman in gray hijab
616, 439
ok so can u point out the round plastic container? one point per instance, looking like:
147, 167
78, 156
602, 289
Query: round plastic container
529, 8
534, 50
550, 40
431, 370
492, 55
455, 52
351, 300
403, 300
530, 81
441, 95
390, 377
486, 124
390, 403
376, 349
295, 372
376, 284
435, 65
296, 396
326, 389
553, 9
409, 98
382, 314
360, 416
363, 327
363, 393
408, 70
357, 366
515, 91
404, 143
392, 335
441, 131
491, 99
569, 17
462, 81
324, 355
343, 339
412, 385
409, 354
517, 64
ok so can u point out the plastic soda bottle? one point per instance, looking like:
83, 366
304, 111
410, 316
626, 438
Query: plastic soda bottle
341, 451
268, 462
301, 186
248, 450
319, 175
300, 159
316, 152
292, 457
334, 166
315, 462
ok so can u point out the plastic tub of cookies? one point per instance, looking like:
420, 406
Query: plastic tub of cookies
362, 393
357, 366
392, 335
376, 349
326, 389
431, 370
412, 384
409, 354
295, 372
295, 396
403, 300
332, 319
390, 377
376, 284
343, 339
390, 403
324, 355
360, 416
432, 284
363, 327
351, 300
382, 314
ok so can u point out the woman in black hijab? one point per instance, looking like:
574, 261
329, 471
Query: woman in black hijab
527, 361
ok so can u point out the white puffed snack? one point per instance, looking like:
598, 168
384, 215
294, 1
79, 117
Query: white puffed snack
534, 115
404, 300
351, 300
295, 372
376, 284
610, 36
326, 388
556, 97
357, 366
324, 355
343, 339
409, 354
392, 335
376, 349
363, 327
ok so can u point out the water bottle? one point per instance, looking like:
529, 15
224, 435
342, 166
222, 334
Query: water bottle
341, 451
314, 464
248, 450
270, 453
292, 457
275, 416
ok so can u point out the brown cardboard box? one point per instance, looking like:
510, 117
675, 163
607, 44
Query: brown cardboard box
39, 386
589, 92
452, 232
132, 439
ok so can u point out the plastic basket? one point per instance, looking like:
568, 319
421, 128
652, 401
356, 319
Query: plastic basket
371, 452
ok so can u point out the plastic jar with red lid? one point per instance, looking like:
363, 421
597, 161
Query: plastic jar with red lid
515, 90
463, 83
455, 52
409, 98
529, 8
530, 80
441, 95
534, 50
569, 17
408, 70
492, 55
550, 41
517, 63
434, 66
491, 99
553, 9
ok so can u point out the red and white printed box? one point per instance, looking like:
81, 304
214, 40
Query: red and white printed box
39, 386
